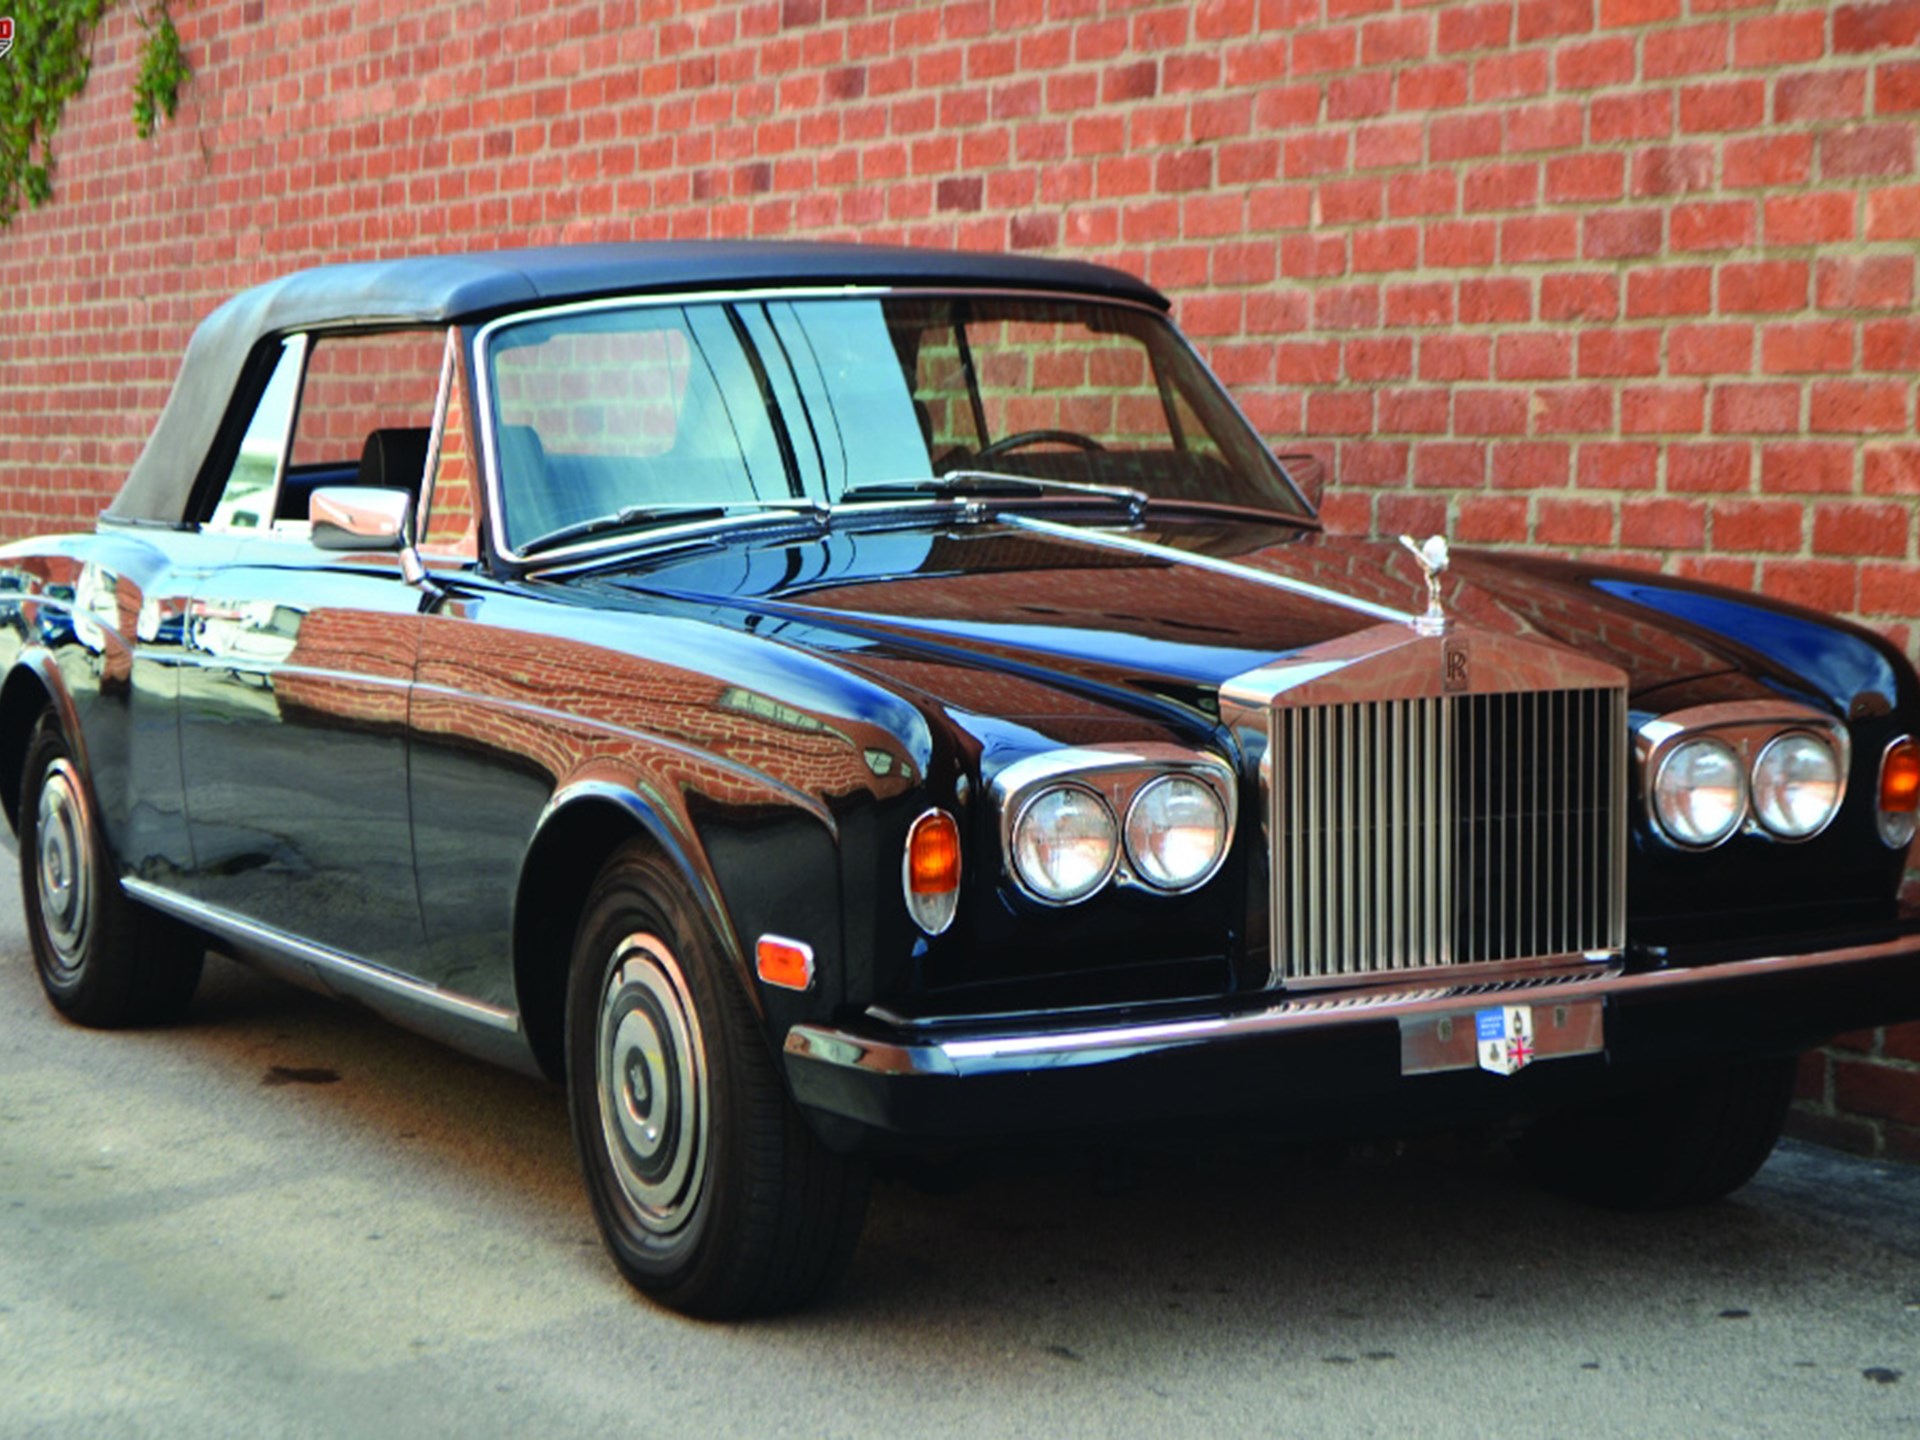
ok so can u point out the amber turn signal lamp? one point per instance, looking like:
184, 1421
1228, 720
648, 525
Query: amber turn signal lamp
1899, 791
931, 871
783, 962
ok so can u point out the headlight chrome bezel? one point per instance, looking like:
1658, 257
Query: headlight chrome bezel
1747, 728
1117, 775
1115, 844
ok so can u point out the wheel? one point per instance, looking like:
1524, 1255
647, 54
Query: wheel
1683, 1145
1037, 437
711, 1193
103, 960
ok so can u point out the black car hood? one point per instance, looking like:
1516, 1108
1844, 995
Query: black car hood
990, 595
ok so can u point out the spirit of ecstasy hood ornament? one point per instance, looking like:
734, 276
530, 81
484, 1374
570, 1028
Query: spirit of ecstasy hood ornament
1432, 555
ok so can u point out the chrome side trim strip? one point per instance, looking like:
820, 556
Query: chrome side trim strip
998, 1054
1110, 541
331, 964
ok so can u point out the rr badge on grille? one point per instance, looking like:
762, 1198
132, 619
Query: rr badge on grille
1504, 1038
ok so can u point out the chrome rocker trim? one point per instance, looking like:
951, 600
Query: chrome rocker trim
1049, 1050
472, 1025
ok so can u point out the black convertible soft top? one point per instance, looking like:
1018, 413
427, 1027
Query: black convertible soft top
440, 289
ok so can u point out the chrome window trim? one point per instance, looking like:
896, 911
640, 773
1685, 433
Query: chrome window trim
430, 471
484, 400
1115, 775
300, 344
1747, 727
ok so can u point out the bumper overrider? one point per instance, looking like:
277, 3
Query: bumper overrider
1322, 1063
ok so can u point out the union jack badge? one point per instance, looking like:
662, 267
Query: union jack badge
1503, 1038
6, 35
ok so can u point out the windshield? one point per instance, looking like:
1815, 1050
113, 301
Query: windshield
633, 414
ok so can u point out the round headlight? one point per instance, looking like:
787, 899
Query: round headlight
1176, 832
1699, 793
1065, 844
1796, 785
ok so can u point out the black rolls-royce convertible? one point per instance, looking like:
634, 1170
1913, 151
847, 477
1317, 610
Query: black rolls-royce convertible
825, 702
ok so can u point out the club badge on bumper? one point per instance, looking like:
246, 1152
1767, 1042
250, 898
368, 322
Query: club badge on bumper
1504, 1037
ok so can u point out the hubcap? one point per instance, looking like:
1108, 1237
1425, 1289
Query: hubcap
650, 1067
63, 856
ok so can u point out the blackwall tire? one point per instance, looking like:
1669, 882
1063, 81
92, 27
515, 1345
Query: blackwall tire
713, 1196
1684, 1144
103, 960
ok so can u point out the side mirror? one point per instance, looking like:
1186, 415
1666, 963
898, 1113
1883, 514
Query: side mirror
1309, 475
361, 517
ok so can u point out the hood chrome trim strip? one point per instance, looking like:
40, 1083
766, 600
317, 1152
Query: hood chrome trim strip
1106, 539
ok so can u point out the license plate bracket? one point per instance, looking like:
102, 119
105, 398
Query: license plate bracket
1496, 1038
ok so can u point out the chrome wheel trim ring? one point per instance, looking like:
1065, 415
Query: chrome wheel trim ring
63, 867
650, 1074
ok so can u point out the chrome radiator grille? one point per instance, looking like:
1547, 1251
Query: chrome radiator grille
1445, 831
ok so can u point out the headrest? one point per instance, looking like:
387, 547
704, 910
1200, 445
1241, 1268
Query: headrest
395, 458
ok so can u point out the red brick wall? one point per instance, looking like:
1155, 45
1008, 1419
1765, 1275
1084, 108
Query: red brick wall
1586, 275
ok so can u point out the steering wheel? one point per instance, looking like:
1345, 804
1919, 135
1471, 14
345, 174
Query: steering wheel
1036, 437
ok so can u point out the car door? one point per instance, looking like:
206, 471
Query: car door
293, 708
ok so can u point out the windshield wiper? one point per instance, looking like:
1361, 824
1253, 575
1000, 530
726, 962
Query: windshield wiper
987, 484
645, 517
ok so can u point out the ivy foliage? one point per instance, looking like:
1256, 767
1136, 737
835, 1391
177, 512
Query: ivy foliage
51, 59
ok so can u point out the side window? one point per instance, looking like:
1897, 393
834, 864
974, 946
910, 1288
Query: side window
452, 525
366, 412
246, 500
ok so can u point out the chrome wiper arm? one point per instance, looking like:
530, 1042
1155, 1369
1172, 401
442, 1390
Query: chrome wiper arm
987, 484
643, 517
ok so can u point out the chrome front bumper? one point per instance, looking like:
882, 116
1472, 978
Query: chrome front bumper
1338, 1043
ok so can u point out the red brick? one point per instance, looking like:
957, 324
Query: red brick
1715, 570
1828, 585
1821, 219
1891, 345
1373, 463
1310, 257
1475, 27
1465, 137
1490, 412
1767, 161
1557, 126
1723, 105
1713, 225
1612, 465
1510, 76
1756, 409
1550, 19
1500, 187
1859, 406
1340, 412
1494, 302
1676, 409
1710, 466
1866, 1088
1531, 464
1664, 524
1593, 176
1611, 352
1812, 346
1673, 170
1861, 528
1894, 213
1691, 50
1621, 234
1579, 295
1889, 590
1870, 282
1820, 95
1709, 349
1896, 87
1763, 287
1779, 39
1488, 520
1530, 239
1773, 526
1373, 360
1866, 152
1880, 25
1460, 244
1891, 469
1669, 291
1454, 464
1530, 355
1574, 522
1414, 412
1593, 64
1429, 302
1307, 362
1806, 467
1638, 115
1573, 410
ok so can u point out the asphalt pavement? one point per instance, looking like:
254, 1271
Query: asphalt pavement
286, 1218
